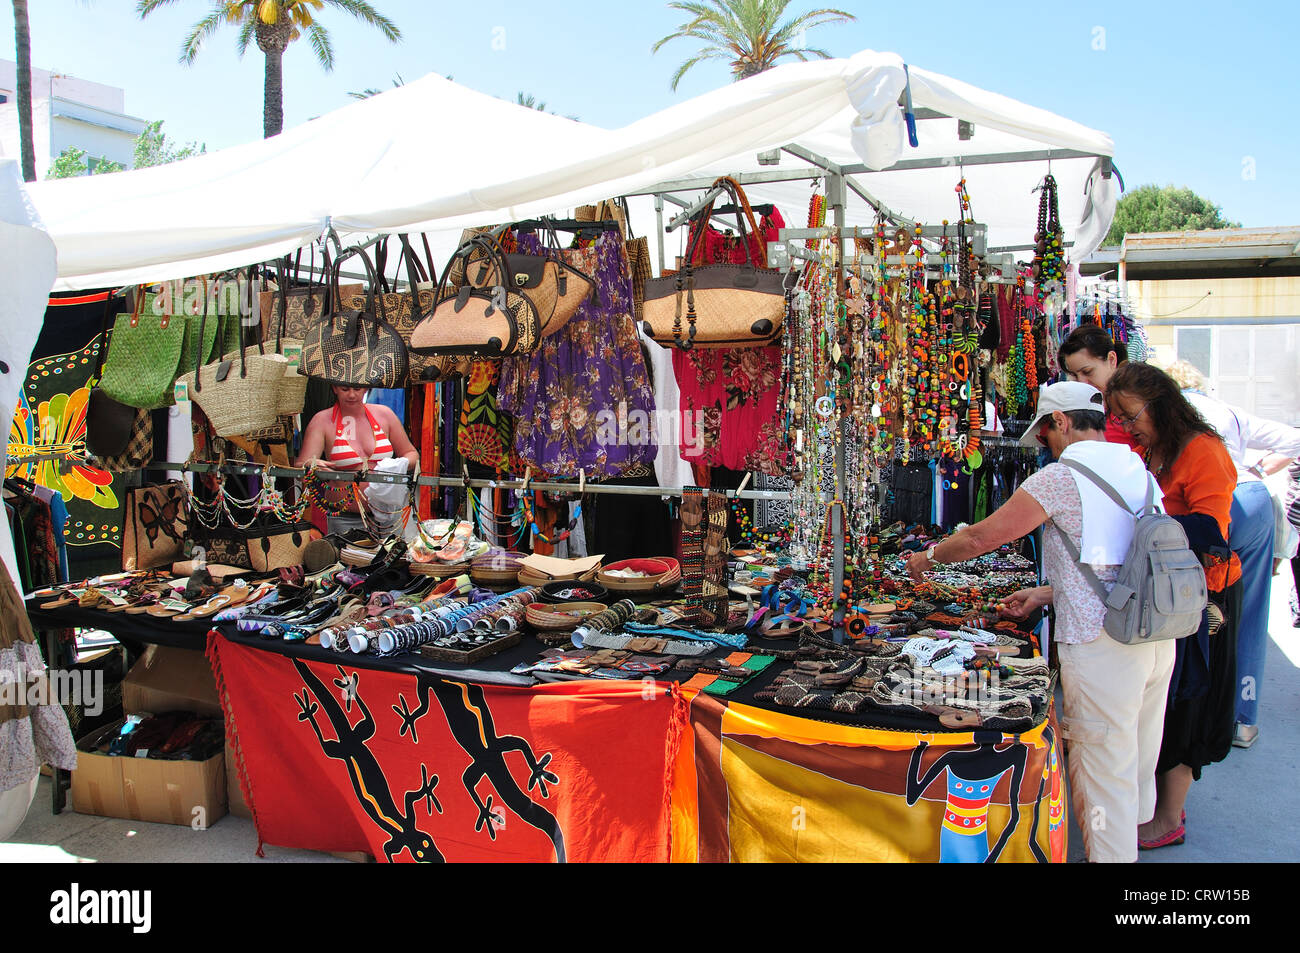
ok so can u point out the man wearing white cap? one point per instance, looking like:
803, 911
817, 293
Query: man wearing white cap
1114, 693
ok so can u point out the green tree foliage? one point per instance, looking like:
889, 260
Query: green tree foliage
71, 162
748, 34
152, 148
1168, 209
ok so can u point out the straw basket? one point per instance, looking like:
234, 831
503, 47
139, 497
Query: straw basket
561, 617
247, 399
497, 568
438, 570
660, 574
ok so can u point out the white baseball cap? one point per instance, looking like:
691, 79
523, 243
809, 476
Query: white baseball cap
1063, 396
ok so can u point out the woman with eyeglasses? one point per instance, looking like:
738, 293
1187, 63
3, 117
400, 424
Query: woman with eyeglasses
1089, 355
1193, 468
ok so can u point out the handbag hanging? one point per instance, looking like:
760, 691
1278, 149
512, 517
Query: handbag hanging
718, 306
236, 400
144, 357
154, 522
404, 312
299, 304
109, 424
357, 347
485, 317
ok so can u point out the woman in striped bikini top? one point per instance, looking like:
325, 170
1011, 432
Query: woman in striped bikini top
352, 434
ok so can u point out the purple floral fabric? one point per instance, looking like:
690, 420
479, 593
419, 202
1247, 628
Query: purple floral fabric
583, 400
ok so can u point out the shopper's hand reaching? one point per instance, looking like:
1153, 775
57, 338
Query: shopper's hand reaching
1020, 604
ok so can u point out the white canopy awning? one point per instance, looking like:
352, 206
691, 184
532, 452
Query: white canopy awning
435, 156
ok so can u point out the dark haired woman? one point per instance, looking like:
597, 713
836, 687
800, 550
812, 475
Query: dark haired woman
1193, 468
1088, 354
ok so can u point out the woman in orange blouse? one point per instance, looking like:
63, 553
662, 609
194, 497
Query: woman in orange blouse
1198, 477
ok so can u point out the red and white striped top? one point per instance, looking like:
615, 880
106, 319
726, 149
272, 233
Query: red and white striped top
344, 455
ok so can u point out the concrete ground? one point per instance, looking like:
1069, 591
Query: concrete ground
1241, 810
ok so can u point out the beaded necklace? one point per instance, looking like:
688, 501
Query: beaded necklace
1049, 255
531, 522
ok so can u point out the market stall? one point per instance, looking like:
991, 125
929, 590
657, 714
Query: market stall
863, 350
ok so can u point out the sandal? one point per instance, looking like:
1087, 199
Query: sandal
1172, 839
167, 608
67, 599
229, 597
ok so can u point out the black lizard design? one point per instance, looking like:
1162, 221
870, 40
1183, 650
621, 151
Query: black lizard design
368, 781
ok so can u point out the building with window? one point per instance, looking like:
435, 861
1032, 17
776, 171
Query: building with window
1227, 300
68, 112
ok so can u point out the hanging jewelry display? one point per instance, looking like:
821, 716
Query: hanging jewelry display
1049, 252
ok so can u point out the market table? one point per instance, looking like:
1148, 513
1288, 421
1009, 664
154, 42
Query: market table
407, 759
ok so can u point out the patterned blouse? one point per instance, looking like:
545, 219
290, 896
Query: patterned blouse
1079, 613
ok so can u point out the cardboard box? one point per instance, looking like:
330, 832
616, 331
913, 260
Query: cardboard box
192, 793
171, 679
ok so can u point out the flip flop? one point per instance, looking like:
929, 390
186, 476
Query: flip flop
167, 608
214, 605
67, 599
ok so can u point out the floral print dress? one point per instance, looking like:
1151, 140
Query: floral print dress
583, 400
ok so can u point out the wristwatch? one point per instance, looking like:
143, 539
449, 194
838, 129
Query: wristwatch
1257, 469
929, 553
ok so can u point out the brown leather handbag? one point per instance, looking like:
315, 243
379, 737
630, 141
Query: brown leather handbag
716, 306
356, 346
485, 317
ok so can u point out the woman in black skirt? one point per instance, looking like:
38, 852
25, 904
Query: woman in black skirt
1198, 477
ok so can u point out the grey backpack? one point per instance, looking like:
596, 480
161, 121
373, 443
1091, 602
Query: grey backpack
1160, 592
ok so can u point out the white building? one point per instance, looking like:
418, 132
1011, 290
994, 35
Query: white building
1227, 300
68, 112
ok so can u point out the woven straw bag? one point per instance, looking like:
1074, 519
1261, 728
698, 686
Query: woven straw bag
153, 527
237, 398
279, 547
717, 306
144, 357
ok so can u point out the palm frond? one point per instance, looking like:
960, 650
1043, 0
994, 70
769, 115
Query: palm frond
146, 7
319, 39
367, 14
707, 54
245, 37
198, 33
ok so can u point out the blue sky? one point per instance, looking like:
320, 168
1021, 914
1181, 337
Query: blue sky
1193, 93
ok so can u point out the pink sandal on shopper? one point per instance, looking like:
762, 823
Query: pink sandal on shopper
1175, 837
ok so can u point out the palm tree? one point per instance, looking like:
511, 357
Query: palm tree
273, 25
747, 33
23, 44
369, 91
529, 101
